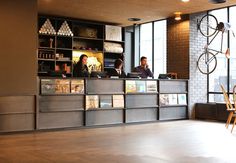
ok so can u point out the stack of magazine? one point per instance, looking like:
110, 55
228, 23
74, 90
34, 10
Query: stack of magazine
173, 99
104, 101
139, 86
62, 86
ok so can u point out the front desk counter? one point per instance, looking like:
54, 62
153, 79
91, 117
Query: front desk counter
74, 102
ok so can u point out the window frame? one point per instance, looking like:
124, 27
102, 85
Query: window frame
153, 41
228, 61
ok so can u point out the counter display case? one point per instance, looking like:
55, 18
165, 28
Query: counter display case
173, 99
75, 102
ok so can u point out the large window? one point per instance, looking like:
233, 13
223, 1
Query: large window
153, 42
232, 43
219, 76
160, 33
225, 72
146, 42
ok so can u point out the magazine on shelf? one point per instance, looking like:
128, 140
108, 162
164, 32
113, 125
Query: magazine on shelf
164, 99
77, 86
118, 101
105, 101
182, 100
130, 86
173, 100
48, 86
140, 86
151, 86
62, 86
92, 102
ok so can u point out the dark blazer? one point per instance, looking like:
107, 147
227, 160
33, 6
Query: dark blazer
144, 72
80, 70
113, 72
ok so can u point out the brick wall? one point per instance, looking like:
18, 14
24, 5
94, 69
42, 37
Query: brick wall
184, 45
198, 81
178, 46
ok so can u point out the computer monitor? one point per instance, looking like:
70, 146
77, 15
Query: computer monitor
134, 75
164, 76
98, 74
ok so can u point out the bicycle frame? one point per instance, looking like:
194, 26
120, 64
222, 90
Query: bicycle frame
216, 52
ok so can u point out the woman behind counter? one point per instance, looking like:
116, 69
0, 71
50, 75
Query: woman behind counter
81, 69
118, 69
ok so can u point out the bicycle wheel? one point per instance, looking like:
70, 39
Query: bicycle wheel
208, 25
207, 63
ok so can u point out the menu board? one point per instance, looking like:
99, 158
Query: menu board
140, 86
62, 86
48, 86
92, 102
105, 101
77, 86
130, 86
151, 86
118, 101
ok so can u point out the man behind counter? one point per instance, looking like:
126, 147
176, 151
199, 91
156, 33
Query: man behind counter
118, 69
143, 68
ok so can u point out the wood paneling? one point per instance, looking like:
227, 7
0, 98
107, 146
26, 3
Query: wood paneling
18, 44
104, 86
118, 12
173, 86
171, 113
104, 117
60, 120
17, 113
17, 122
133, 101
60, 103
17, 104
205, 111
141, 115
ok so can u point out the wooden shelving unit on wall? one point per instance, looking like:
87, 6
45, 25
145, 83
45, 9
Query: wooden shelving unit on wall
61, 41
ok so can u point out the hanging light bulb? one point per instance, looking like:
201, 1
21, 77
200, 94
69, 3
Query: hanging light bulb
177, 16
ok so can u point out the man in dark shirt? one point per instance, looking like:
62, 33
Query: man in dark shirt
143, 68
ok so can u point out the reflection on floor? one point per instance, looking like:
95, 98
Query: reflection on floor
176, 141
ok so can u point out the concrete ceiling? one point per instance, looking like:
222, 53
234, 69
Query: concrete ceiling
118, 11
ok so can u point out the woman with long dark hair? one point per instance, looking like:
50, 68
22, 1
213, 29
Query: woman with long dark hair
81, 69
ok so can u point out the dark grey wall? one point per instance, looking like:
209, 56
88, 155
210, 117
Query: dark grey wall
18, 47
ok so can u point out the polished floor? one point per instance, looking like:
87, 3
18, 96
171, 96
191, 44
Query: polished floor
175, 142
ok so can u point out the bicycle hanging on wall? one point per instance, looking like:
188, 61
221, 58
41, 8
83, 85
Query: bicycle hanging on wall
209, 27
